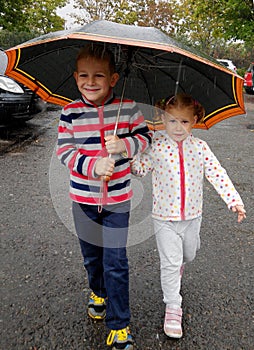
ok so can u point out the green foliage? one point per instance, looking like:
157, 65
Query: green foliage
156, 13
213, 26
241, 71
217, 26
31, 16
238, 52
239, 16
9, 39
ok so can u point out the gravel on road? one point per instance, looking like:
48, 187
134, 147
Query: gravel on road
44, 286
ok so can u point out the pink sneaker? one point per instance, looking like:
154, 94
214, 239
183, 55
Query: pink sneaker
173, 322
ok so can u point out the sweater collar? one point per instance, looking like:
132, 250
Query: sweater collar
108, 99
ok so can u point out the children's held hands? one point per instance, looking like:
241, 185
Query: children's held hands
105, 166
114, 145
241, 212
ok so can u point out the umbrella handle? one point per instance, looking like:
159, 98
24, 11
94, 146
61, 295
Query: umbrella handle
106, 178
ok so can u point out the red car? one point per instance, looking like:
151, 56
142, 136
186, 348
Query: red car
249, 79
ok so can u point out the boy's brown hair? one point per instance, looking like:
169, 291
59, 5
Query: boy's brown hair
98, 52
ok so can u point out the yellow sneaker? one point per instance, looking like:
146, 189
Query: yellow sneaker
120, 339
96, 307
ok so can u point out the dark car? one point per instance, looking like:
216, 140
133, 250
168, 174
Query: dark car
249, 79
17, 102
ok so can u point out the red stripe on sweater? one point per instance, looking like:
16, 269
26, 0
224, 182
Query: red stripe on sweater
120, 174
138, 121
63, 149
97, 201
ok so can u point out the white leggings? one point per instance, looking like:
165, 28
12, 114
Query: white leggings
177, 243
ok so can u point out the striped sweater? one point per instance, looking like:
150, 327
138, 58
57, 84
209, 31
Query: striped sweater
81, 132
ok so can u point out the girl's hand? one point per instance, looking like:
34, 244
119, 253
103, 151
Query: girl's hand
114, 145
104, 166
241, 212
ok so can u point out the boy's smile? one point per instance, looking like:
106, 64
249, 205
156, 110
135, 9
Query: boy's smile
94, 79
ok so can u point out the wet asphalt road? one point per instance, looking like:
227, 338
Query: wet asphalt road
44, 288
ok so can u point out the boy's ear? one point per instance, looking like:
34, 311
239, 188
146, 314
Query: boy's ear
114, 79
75, 74
195, 119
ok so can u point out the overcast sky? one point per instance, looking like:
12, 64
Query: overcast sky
65, 11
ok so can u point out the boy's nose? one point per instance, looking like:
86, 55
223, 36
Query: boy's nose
90, 80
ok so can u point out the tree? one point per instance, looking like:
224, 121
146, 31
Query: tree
205, 23
140, 12
239, 19
37, 16
198, 23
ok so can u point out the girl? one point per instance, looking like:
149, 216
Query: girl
178, 162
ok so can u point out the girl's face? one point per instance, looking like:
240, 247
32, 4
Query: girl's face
179, 122
94, 79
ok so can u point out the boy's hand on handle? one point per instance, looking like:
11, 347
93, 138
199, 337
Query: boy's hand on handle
241, 212
114, 145
105, 166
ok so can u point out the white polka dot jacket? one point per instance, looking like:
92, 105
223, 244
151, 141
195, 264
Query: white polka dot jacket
178, 170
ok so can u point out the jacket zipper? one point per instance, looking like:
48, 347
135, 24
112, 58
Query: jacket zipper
182, 180
104, 184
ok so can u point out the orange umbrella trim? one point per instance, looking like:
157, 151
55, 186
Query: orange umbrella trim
30, 82
47, 95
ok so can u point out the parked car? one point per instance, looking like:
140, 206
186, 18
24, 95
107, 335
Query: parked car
249, 79
17, 102
227, 63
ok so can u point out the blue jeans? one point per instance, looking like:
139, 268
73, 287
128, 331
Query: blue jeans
103, 238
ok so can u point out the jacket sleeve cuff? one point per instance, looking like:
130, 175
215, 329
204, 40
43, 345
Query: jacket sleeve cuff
234, 203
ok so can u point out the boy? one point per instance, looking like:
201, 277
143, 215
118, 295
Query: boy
101, 209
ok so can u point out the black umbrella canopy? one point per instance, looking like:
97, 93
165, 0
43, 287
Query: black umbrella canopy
156, 65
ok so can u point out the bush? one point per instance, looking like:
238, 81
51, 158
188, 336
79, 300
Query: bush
241, 71
9, 39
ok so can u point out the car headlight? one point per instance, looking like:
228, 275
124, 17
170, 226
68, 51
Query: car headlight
10, 85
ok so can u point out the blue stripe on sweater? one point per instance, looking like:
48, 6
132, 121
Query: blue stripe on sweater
85, 187
65, 141
68, 118
93, 114
80, 164
87, 140
119, 186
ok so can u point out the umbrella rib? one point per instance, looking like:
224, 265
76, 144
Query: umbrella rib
159, 67
213, 81
163, 71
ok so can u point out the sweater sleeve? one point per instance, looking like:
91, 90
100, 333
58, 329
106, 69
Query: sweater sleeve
139, 137
219, 178
68, 153
142, 163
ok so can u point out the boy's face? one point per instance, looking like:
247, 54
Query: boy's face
179, 122
94, 79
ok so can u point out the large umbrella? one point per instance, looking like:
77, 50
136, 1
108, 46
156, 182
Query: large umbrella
154, 65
